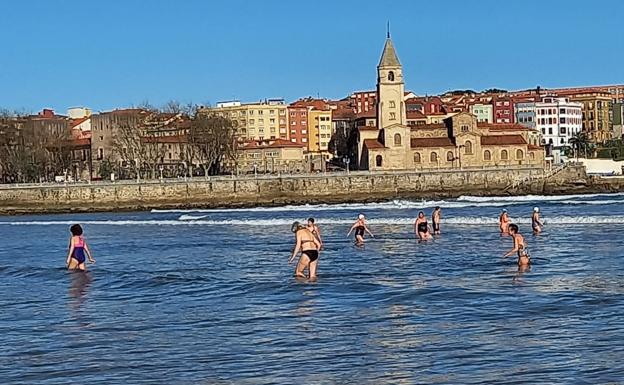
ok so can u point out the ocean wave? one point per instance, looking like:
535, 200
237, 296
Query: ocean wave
461, 202
533, 198
460, 220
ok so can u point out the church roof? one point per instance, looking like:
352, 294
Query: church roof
502, 140
373, 144
431, 142
389, 57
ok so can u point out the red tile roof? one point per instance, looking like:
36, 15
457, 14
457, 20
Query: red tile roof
76, 122
373, 144
431, 142
502, 126
534, 147
367, 128
276, 143
415, 115
502, 140
366, 114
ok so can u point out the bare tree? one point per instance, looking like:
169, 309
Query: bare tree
214, 140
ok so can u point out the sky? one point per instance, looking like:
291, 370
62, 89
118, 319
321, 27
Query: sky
119, 53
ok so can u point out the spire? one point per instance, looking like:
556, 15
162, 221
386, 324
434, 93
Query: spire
389, 57
388, 30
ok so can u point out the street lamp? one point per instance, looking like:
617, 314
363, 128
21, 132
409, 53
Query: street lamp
161, 172
345, 160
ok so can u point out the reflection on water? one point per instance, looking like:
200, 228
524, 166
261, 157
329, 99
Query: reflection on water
217, 304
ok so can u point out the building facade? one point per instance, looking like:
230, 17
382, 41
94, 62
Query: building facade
483, 112
270, 156
596, 115
265, 120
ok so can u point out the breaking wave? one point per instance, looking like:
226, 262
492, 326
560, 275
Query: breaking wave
200, 221
463, 201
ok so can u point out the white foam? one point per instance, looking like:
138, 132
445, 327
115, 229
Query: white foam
461, 202
460, 220
533, 198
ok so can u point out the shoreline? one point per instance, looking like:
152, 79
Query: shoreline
234, 202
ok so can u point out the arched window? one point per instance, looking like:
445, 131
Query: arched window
391, 76
397, 139
519, 154
449, 156
378, 160
487, 155
417, 157
434, 157
532, 155
504, 155
468, 147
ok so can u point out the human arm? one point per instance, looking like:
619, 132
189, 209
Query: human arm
515, 248
368, 231
352, 228
296, 249
86, 247
71, 251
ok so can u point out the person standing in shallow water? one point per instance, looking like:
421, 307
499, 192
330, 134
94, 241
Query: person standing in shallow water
78, 249
520, 247
360, 228
309, 245
421, 227
435, 220
536, 223
315, 230
503, 221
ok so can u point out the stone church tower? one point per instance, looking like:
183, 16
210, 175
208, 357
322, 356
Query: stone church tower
390, 88
394, 134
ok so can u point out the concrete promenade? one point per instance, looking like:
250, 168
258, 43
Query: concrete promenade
251, 190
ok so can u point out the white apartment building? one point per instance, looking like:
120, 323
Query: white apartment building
557, 118
483, 112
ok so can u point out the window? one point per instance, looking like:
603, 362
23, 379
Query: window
449, 156
392, 104
504, 155
391, 76
487, 155
417, 157
519, 154
532, 155
397, 139
392, 116
562, 111
304, 140
100, 153
378, 160
468, 148
549, 130
433, 157
464, 128
562, 130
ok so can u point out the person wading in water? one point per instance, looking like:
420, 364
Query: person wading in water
309, 245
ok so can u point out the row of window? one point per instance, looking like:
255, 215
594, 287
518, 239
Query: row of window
553, 111
487, 155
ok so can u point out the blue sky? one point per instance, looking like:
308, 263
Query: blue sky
107, 54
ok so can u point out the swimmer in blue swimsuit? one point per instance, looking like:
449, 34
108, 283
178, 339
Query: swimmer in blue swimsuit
78, 250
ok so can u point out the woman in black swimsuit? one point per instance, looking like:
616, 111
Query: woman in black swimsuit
360, 228
309, 245
421, 227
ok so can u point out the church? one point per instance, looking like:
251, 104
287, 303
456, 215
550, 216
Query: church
459, 141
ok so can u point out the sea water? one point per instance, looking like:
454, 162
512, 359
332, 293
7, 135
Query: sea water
207, 297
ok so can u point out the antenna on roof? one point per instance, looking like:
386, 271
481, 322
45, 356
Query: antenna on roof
388, 29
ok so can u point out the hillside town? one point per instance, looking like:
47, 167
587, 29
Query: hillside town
381, 129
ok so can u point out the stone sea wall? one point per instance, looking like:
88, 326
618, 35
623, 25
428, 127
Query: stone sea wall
330, 188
